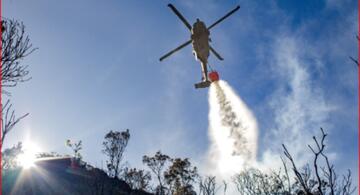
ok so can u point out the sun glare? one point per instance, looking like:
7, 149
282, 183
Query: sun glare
28, 158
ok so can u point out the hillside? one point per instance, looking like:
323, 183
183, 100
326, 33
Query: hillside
60, 176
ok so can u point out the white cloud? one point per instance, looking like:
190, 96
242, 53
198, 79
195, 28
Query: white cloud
298, 103
336, 4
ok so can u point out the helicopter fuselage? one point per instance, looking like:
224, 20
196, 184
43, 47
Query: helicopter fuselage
200, 37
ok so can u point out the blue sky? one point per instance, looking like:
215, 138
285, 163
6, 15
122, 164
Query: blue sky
97, 69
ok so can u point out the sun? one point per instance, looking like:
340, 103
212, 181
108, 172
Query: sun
28, 157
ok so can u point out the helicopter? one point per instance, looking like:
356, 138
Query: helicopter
200, 40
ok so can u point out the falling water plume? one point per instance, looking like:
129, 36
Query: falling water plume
232, 131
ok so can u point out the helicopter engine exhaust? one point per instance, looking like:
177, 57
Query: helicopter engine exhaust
232, 132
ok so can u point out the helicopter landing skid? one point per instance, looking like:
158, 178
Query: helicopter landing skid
203, 84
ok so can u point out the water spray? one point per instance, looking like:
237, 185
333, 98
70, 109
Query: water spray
232, 131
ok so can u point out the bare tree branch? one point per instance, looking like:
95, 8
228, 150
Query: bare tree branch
15, 47
323, 184
287, 174
225, 186
8, 120
355, 61
208, 186
253, 181
320, 150
298, 175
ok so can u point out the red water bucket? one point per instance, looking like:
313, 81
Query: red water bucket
214, 76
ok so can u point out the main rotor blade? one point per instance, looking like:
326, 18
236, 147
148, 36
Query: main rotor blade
223, 18
216, 53
180, 16
175, 50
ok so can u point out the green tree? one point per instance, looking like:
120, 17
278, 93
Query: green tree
157, 165
137, 179
114, 147
76, 147
180, 176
